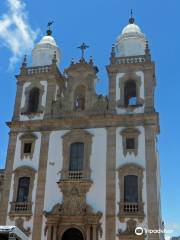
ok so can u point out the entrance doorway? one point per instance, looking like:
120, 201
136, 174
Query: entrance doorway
72, 234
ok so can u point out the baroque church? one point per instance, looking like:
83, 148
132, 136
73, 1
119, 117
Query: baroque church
82, 166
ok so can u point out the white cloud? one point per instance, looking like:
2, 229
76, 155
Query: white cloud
15, 31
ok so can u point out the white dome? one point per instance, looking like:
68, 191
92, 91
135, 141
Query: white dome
131, 42
43, 52
131, 28
48, 40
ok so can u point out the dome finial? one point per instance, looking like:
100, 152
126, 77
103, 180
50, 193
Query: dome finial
49, 31
131, 20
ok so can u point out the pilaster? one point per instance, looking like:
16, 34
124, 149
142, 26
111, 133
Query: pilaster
17, 105
40, 192
151, 179
51, 89
8, 177
111, 184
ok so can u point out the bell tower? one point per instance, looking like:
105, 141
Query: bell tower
131, 94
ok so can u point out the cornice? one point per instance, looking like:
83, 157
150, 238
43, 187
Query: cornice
100, 121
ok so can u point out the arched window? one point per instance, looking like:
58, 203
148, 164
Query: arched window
76, 156
33, 102
79, 98
131, 189
130, 94
23, 189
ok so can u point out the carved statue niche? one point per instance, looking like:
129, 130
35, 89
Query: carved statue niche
129, 233
19, 222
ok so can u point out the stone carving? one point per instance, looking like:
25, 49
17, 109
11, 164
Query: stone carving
129, 233
130, 230
19, 222
101, 105
74, 198
74, 211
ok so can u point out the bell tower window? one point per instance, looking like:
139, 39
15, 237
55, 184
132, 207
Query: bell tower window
79, 98
33, 102
130, 93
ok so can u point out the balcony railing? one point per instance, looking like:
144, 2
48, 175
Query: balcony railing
131, 209
75, 175
21, 208
133, 59
38, 70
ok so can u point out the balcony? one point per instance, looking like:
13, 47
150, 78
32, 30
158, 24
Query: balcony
131, 210
21, 208
75, 175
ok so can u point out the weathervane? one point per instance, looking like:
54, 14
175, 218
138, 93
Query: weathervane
131, 20
83, 47
49, 31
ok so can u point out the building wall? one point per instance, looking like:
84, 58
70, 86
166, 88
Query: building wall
130, 158
33, 163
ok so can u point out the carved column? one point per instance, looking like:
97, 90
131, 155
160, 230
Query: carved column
88, 233
49, 232
55, 232
94, 232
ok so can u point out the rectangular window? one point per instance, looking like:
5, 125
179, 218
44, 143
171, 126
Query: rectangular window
76, 156
23, 189
130, 143
27, 147
131, 189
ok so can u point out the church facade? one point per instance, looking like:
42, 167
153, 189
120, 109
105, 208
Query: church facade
81, 165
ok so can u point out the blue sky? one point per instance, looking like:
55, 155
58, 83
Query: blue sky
98, 23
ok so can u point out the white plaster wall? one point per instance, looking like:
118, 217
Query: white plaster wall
35, 117
54, 166
119, 77
34, 163
130, 158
